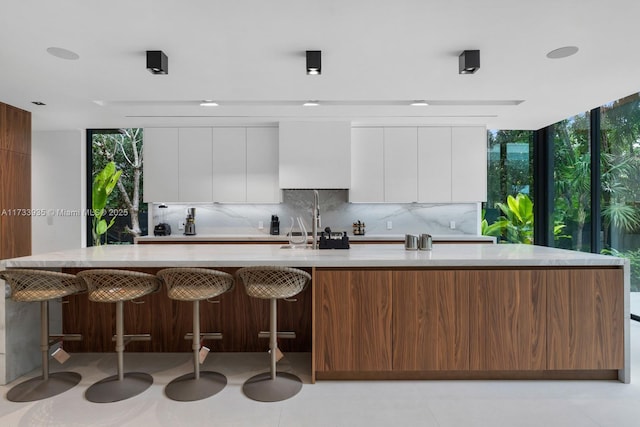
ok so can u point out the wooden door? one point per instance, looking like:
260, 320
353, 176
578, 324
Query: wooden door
430, 321
353, 320
507, 315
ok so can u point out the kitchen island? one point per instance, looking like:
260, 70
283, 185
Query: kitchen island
379, 311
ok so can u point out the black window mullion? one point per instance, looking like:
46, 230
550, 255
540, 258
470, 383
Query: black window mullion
596, 218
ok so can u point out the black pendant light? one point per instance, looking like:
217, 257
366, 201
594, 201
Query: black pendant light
469, 62
157, 62
314, 62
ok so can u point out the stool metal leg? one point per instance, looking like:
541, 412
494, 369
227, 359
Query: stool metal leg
46, 385
122, 385
198, 384
272, 386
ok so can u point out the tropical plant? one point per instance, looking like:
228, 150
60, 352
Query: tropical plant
125, 149
103, 184
515, 225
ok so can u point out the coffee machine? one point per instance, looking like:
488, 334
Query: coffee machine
190, 222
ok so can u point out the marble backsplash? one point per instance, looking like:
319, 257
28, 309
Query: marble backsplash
335, 212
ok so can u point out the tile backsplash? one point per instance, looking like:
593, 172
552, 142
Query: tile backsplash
335, 212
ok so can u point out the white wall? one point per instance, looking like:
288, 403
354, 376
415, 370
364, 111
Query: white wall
58, 189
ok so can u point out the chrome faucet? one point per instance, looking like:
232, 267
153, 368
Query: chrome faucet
315, 219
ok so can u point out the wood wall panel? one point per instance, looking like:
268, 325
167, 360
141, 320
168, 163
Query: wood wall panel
238, 317
353, 321
15, 182
507, 319
15, 129
430, 321
586, 319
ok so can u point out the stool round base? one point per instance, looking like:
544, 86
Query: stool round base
263, 388
38, 388
110, 389
188, 389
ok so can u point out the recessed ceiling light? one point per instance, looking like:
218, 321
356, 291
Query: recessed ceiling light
61, 53
562, 52
208, 104
419, 103
311, 104
38, 103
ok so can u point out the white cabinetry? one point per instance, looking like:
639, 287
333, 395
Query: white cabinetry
434, 164
315, 155
439, 164
400, 165
195, 169
160, 154
469, 164
367, 165
229, 164
262, 165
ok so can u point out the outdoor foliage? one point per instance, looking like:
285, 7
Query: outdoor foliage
103, 185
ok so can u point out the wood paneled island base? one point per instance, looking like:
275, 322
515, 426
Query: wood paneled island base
380, 312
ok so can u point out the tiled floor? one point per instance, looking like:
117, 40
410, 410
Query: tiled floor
334, 403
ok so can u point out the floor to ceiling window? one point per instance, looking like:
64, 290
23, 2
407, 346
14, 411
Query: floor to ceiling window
509, 207
125, 215
620, 176
571, 218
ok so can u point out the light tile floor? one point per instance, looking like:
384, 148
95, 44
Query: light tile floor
333, 403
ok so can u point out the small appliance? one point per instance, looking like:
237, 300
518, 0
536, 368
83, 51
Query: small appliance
190, 222
163, 228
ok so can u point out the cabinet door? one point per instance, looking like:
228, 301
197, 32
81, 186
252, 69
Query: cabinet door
400, 165
195, 170
434, 164
469, 164
229, 165
586, 319
262, 165
353, 320
430, 321
367, 165
507, 319
160, 151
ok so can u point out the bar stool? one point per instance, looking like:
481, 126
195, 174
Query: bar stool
43, 286
196, 284
117, 286
273, 283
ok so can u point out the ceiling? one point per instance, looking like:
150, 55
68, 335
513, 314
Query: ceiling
377, 56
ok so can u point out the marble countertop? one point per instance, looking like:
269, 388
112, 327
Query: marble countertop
284, 238
373, 255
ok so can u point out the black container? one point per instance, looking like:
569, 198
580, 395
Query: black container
274, 229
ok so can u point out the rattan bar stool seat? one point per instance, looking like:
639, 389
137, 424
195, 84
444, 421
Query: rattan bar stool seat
273, 283
42, 286
118, 286
195, 285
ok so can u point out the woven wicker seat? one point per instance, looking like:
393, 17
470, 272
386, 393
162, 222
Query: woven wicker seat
118, 286
42, 286
273, 283
195, 285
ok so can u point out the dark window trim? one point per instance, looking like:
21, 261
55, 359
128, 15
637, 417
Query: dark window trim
596, 181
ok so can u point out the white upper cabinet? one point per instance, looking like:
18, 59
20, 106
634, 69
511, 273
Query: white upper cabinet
434, 164
160, 154
315, 155
262, 165
469, 164
194, 160
367, 164
229, 164
400, 165
438, 164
